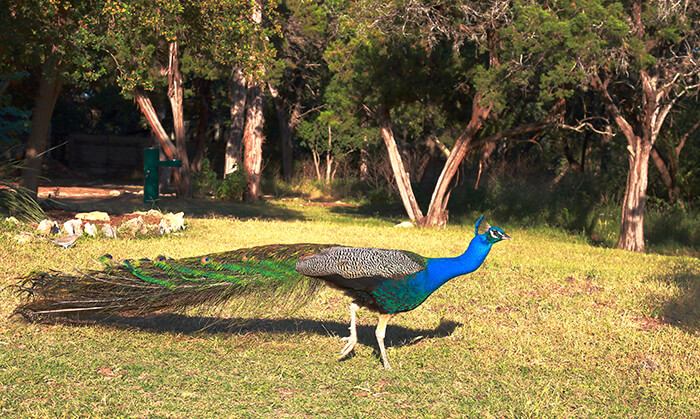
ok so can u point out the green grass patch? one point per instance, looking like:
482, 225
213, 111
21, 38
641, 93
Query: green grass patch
549, 326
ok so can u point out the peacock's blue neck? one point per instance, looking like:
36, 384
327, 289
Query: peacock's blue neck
440, 270
395, 296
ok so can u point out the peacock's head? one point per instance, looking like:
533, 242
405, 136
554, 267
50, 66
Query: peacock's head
495, 235
492, 234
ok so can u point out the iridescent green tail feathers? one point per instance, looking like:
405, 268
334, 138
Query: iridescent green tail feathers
144, 286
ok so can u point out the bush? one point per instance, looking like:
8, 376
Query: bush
207, 183
232, 187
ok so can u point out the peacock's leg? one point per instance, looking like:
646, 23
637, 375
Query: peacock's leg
352, 339
381, 332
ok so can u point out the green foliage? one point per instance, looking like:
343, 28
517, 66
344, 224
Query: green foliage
207, 183
66, 32
13, 121
15, 200
232, 187
212, 35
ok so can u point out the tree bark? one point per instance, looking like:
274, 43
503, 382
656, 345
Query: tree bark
403, 180
437, 212
252, 143
176, 97
237, 95
632, 225
285, 133
49, 87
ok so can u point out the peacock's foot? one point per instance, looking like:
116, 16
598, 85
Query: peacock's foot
352, 340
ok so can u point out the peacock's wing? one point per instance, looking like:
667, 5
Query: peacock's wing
170, 284
358, 271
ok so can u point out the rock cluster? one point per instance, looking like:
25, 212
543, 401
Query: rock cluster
98, 223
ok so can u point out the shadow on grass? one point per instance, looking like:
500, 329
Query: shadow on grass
396, 336
684, 310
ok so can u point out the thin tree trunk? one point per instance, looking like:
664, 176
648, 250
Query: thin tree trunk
176, 96
605, 143
202, 139
483, 161
49, 87
437, 212
237, 95
285, 133
403, 180
317, 164
252, 142
667, 175
329, 158
364, 169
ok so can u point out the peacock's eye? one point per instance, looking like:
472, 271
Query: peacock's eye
206, 259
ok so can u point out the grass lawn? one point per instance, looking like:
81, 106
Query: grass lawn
548, 326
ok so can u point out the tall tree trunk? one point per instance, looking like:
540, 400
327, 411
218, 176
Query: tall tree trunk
632, 225
49, 87
167, 146
437, 212
252, 142
237, 95
176, 97
329, 158
317, 164
403, 180
285, 133
655, 106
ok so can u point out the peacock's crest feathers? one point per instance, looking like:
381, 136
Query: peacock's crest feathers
481, 226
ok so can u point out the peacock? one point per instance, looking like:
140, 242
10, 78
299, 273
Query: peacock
382, 280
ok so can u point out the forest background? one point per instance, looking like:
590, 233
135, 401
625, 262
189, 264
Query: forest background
580, 115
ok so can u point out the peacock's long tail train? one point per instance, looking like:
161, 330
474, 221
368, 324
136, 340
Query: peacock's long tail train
144, 286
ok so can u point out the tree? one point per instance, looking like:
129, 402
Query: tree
55, 40
639, 58
447, 55
299, 77
148, 43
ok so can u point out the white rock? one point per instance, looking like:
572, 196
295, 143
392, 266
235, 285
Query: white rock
12, 220
109, 231
73, 227
93, 216
171, 223
135, 225
90, 229
47, 227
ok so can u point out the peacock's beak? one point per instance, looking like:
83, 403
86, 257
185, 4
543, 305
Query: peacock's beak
506, 237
